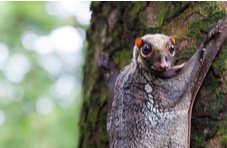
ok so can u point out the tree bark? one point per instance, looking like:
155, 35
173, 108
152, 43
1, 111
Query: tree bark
115, 26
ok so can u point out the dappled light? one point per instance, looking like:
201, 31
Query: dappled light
2, 118
16, 67
79, 9
41, 59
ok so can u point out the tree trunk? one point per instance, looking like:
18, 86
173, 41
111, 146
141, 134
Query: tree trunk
115, 26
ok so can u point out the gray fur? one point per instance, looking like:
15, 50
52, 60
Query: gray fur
151, 111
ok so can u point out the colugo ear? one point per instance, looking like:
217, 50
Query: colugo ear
172, 39
139, 42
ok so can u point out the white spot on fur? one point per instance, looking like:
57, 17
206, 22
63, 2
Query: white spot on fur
150, 97
148, 88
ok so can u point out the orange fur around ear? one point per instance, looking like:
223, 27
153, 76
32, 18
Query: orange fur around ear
139, 42
172, 39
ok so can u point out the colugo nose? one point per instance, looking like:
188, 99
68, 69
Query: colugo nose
164, 65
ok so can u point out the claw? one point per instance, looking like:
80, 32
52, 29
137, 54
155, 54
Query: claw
201, 58
103, 60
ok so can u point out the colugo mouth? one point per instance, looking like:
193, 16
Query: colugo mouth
176, 68
170, 72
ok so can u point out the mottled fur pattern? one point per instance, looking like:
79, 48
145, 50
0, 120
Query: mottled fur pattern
152, 108
148, 110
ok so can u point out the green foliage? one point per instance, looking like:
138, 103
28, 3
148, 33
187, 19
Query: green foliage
24, 127
21, 16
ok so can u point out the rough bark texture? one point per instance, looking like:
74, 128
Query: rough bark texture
114, 27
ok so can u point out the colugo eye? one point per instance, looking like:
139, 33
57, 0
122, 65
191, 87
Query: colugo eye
146, 49
171, 49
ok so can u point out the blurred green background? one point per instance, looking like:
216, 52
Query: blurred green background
41, 56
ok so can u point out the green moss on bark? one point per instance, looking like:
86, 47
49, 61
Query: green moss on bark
209, 14
153, 15
222, 131
203, 19
123, 58
220, 62
115, 26
137, 7
198, 140
175, 8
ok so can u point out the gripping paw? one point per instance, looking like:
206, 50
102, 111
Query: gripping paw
103, 60
201, 56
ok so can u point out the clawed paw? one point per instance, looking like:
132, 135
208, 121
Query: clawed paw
103, 60
201, 57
